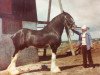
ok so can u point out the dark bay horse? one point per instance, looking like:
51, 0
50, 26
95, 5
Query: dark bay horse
49, 35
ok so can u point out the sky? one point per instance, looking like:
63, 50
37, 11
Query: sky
84, 12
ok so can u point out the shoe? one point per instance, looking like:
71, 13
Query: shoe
85, 66
93, 66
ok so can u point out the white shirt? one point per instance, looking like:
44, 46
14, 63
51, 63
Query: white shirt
84, 38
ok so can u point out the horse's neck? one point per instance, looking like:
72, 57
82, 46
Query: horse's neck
57, 27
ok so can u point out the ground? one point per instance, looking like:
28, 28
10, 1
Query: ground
69, 65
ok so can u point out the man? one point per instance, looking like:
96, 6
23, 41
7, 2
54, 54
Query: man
86, 44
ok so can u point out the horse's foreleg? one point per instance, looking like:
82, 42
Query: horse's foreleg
54, 67
12, 67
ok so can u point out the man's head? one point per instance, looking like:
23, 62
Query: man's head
84, 28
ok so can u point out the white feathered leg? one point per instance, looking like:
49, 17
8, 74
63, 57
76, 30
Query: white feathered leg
54, 67
12, 67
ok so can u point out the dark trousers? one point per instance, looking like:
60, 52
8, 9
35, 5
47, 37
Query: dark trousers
87, 57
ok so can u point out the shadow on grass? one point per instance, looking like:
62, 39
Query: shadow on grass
45, 68
68, 67
97, 65
46, 58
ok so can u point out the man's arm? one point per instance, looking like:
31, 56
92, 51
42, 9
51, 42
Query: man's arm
90, 40
75, 31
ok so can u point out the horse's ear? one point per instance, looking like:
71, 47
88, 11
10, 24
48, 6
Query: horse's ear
63, 12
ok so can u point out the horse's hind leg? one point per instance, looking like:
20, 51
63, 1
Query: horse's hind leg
16, 51
44, 53
12, 67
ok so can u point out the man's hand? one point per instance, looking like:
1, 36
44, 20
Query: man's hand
91, 46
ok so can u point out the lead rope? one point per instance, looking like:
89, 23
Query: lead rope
70, 43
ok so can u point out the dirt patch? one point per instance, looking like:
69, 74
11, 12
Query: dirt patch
70, 65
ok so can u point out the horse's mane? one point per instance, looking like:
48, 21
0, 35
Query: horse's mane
58, 18
54, 21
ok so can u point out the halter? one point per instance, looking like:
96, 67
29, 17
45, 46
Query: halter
67, 21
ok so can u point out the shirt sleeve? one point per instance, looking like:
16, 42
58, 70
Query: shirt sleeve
75, 31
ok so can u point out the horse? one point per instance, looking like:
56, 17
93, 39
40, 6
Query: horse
50, 35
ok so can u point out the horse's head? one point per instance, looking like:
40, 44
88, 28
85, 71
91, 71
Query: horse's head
68, 20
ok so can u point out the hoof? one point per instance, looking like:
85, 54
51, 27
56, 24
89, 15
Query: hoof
13, 71
55, 69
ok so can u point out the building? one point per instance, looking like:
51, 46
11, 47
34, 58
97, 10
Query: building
17, 14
